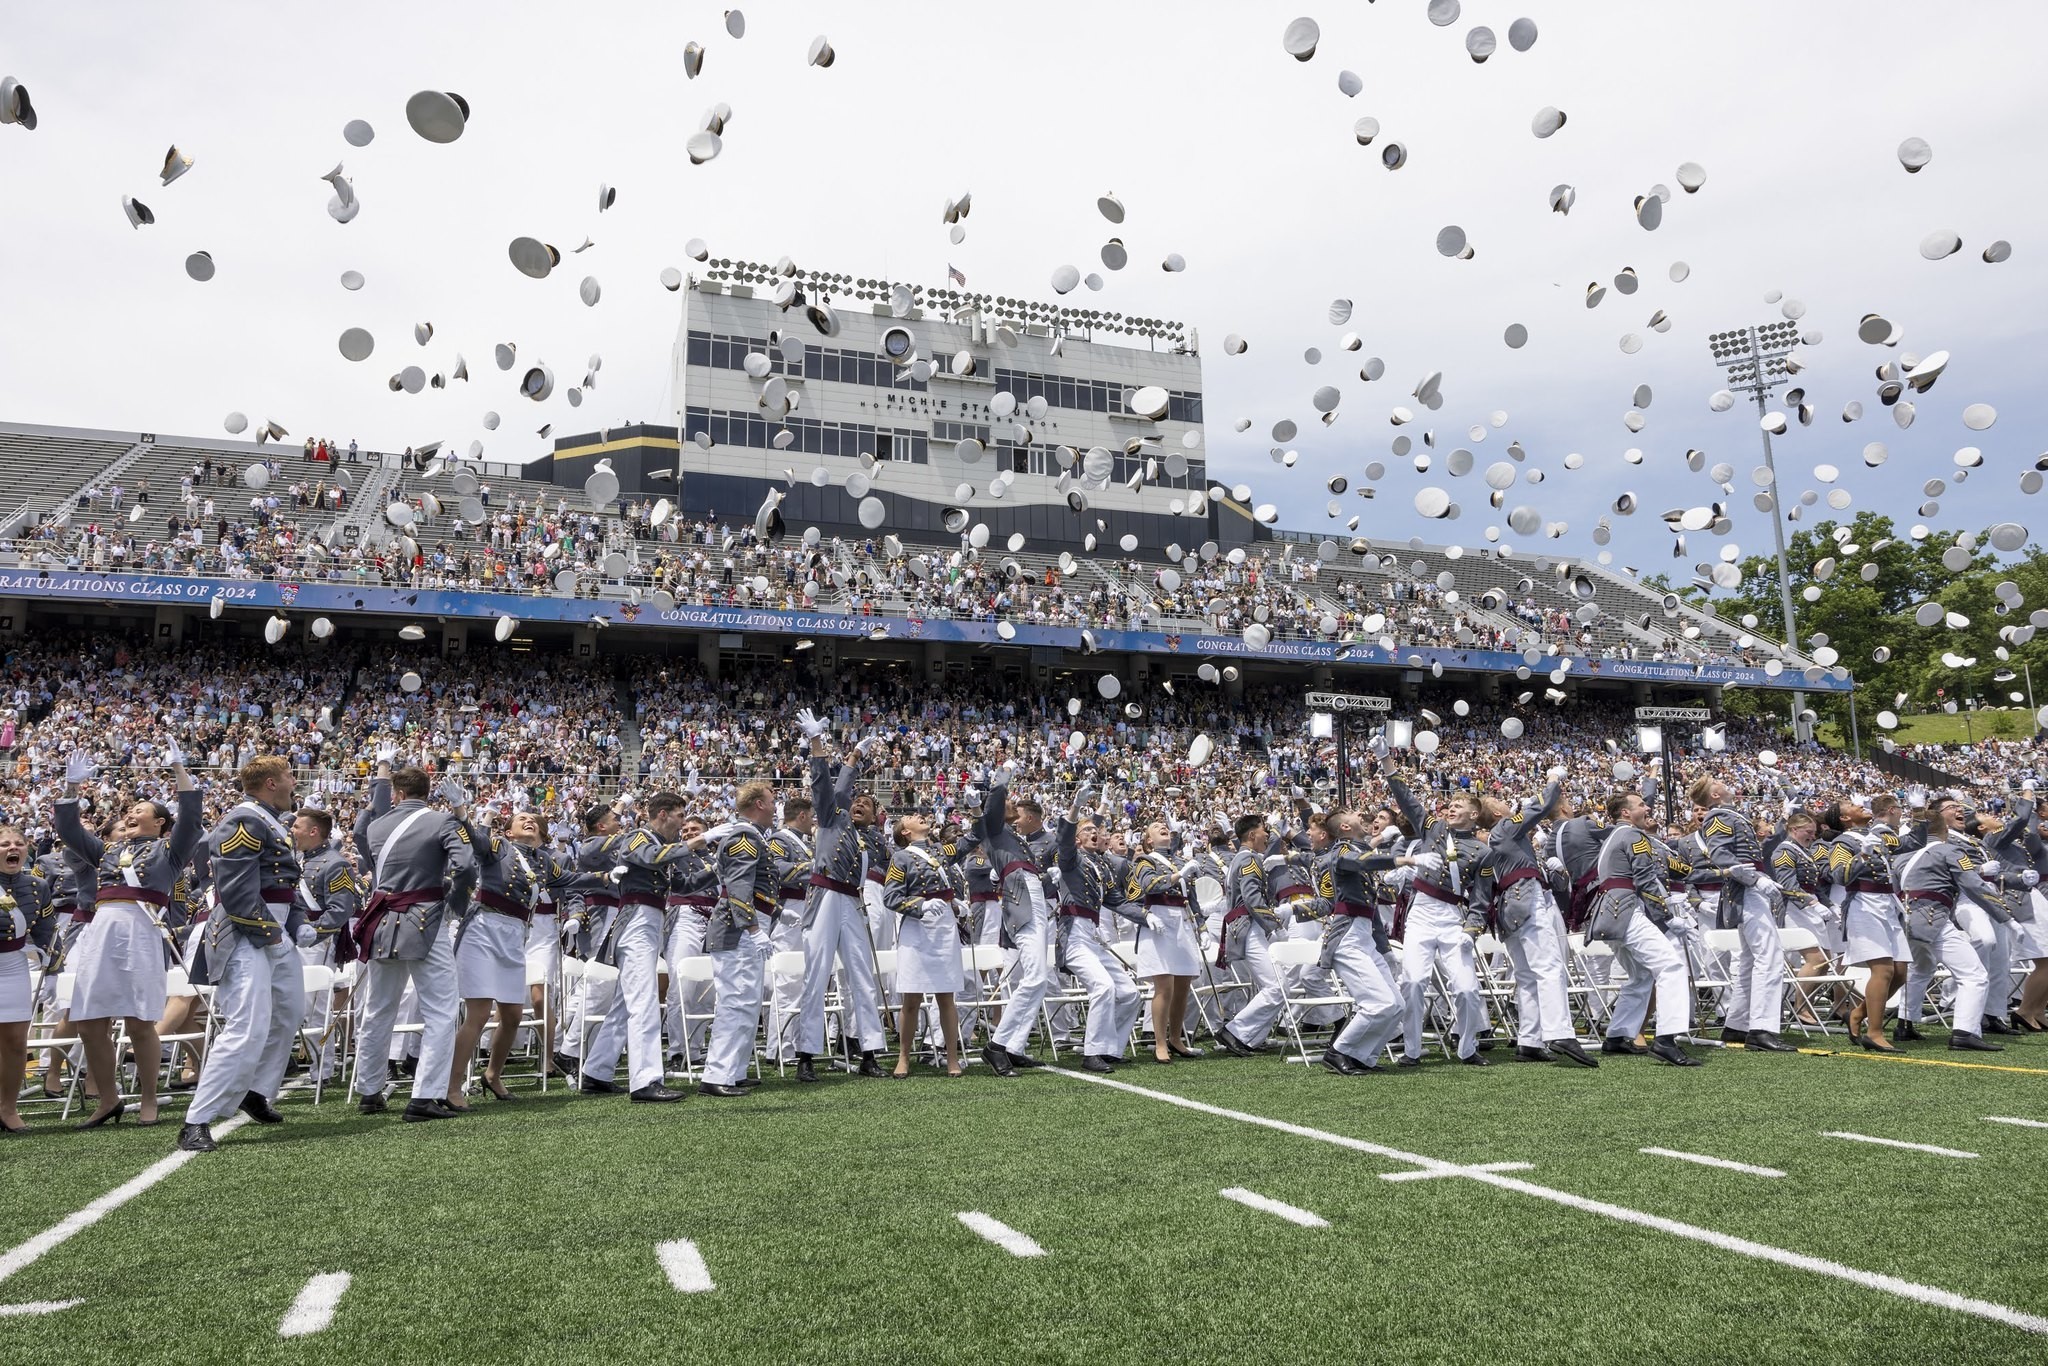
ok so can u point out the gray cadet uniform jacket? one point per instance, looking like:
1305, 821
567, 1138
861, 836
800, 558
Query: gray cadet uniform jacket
645, 882
26, 916
1246, 890
1630, 879
1514, 874
255, 882
1463, 851
1930, 881
422, 868
1344, 881
329, 895
1733, 850
746, 886
917, 874
1578, 846
144, 871
1013, 858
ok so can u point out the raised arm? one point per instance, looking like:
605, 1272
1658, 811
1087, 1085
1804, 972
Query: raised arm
189, 827
1411, 810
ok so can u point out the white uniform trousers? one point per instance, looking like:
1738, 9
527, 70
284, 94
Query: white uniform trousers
1994, 941
1030, 979
433, 981
259, 998
1436, 938
839, 932
1542, 1008
881, 934
1756, 994
1960, 954
1112, 996
736, 975
1377, 1009
633, 1020
1649, 964
787, 936
686, 940
1252, 1024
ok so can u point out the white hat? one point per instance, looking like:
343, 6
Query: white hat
437, 115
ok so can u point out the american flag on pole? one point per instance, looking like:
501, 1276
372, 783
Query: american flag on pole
954, 274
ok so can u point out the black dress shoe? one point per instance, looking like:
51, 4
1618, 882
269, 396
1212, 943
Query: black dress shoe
998, 1060
408, 1067
1905, 1031
712, 1088
1476, 1060
196, 1138
656, 1094
1187, 1051
1994, 1024
420, 1111
804, 1070
372, 1104
598, 1086
1614, 1043
180, 1084
259, 1108
1095, 1063
112, 1116
1732, 1035
565, 1064
1341, 1064
1573, 1052
1233, 1045
1964, 1042
747, 1083
1024, 1060
869, 1067
1667, 1050
1405, 1061
1527, 1053
1764, 1041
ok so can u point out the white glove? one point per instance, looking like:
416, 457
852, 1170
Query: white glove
868, 744
718, 833
1685, 922
307, 936
1390, 835
79, 768
813, 727
1084, 796
1990, 868
1187, 869
173, 756
387, 752
451, 792
933, 909
1554, 864
1431, 863
1556, 774
1154, 923
2030, 879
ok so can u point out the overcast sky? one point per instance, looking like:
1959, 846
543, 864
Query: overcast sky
1222, 147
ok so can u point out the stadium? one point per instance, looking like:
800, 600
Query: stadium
931, 849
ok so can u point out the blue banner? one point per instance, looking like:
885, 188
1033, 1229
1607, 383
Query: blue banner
321, 597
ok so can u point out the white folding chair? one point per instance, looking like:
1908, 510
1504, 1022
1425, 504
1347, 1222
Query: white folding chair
1496, 973
784, 967
1830, 983
1297, 954
1723, 949
537, 976
985, 963
694, 971
317, 982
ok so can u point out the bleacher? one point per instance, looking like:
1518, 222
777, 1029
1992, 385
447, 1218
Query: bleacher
42, 467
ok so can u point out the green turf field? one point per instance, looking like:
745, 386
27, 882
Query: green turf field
826, 1218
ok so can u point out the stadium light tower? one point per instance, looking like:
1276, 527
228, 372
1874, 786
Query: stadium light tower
1753, 358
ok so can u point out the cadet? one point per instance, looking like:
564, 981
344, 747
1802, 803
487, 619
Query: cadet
738, 948
835, 926
1629, 906
1751, 905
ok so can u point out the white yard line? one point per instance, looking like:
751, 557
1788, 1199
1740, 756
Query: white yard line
71, 1225
1001, 1234
1265, 1204
1457, 1171
2022, 1123
1819, 1266
684, 1267
1723, 1163
15, 1311
1895, 1143
314, 1309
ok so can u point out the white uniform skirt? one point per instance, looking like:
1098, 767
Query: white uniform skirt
1876, 929
544, 949
118, 964
928, 956
14, 1002
490, 963
1816, 920
1172, 953
2030, 937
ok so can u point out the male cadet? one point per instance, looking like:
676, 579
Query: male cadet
1354, 948
835, 925
1086, 885
1750, 905
1447, 860
421, 868
633, 1019
1009, 833
738, 948
789, 858
329, 898
1628, 905
1932, 881
1248, 926
1528, 930
253, 965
